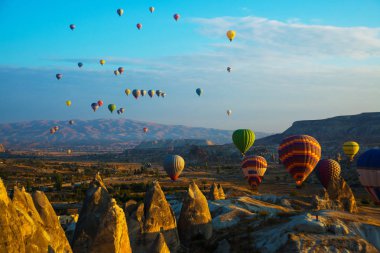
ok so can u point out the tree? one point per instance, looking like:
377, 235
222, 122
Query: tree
58, 181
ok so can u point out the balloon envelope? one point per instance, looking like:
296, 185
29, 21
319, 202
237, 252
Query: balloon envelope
145, 129
136, 93
80, 64
122, 110
111, 107
72, 26
69, 151
327, 171
127, 92
368, 167
173, 165
300, 154
350, 149
58, 76
102, 62
94, 106
158, 93
100, 103
243, 139
254, 168
151, 93
121, 70
71, 122
68, 102
176, 17
231, 34
143, 92
229, 69
120, 12
139, 26
116, 72
151, 9
199, 91
229, 112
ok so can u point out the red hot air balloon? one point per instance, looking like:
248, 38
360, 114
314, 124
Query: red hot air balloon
176, 17
121, 70
100, 103
254, 168
59, 76
139, 26
136, 93
327, 171
145, 129
300, 154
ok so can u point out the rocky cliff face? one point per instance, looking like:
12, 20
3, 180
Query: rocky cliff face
195, 219
29, 224
150, 218
101, 225
159, 245
216, 192
337, 197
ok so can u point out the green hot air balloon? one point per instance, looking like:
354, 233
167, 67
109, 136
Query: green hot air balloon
111, 107
243, 139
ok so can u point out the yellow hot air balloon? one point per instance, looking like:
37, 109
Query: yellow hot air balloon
68, 102
69, 151
127, 92
350, 149
102, 62
231, 34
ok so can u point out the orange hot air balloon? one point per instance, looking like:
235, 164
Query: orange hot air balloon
300, 154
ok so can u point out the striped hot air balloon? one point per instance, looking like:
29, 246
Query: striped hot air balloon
368, 167
327, 171
173, 165
300, 154
254, 168
350, 149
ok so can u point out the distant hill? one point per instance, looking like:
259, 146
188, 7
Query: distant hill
101, 134
363, 128
173, 143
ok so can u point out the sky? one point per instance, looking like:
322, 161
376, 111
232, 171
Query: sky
291, 60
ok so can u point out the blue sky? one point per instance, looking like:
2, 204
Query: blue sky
291, 60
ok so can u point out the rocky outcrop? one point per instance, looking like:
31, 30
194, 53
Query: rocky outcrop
216, 192
2, 149
29, 224
195, 219
337, 197
101, 226
159, 245
150, 218
130, 207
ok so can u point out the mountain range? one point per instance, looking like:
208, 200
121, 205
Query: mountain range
102, 134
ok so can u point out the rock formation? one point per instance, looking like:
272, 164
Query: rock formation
150, 218
337, 197
29, 224
101, 225
159, 245
195, 219
216, 192
2, 149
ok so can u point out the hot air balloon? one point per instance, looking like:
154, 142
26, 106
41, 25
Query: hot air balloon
111, 107
116, 72
231, 34
243, 139
176, 17
327, 171
151, 93
173, 165
72, 27
94, 106
71, 122
102, 62
139, 26
158, 93
145, 129
229, 112
163, 94
143, 92
52, 131
199, 91
300, 154
118, 111
80, 64
58, 76
122, 110
68, 102
229, 69
368, 167
151, 9
56, 128
121, 70
127, 92
350, 149
69, 151
120, 12
100, 103
254, 168
136, 93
